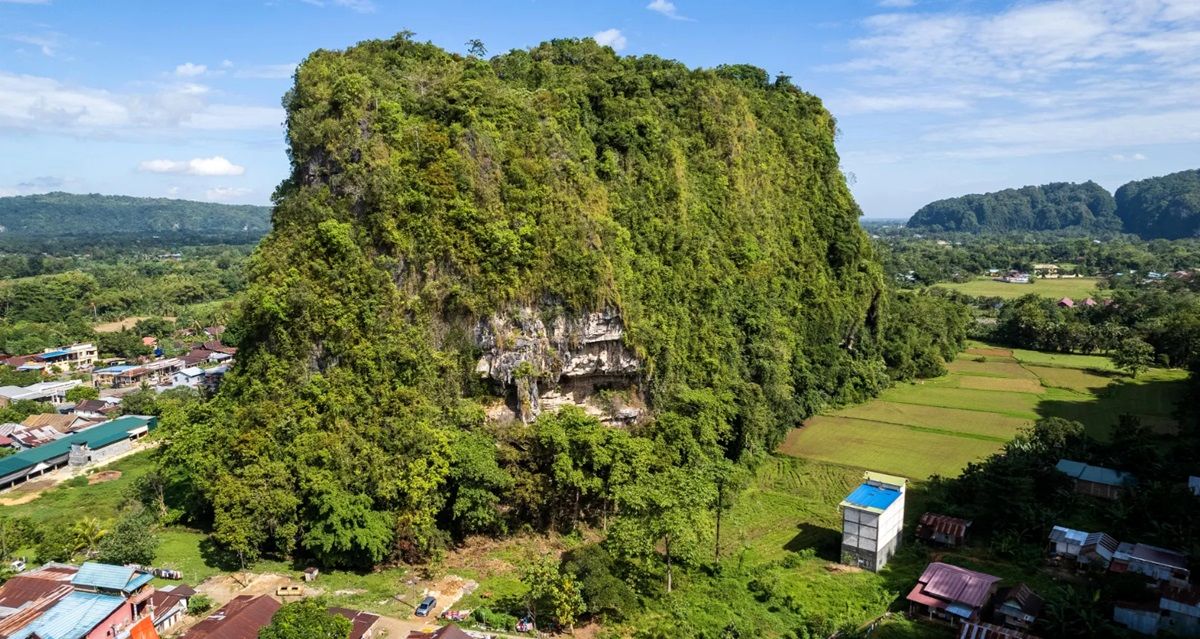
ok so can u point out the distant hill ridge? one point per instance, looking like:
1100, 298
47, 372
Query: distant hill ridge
64, 214
1165, 207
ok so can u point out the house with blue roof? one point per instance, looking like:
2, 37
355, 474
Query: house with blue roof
106, 601
1096, 481
873, 520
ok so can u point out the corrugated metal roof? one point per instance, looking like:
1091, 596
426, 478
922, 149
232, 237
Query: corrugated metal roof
54, 354
105, 576
73, 617
1094, 474
958, 585
931, 523
1061, 534
873, 498
1163, 556
95, 437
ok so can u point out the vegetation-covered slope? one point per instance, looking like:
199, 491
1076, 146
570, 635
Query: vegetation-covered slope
1162, 207
1051, 207
430, 190
60, 214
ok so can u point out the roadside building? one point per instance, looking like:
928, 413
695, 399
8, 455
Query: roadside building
942, 529
48, 392
241, 618
62, 423
951, 594
190, 377
97, 409
873, 520
1096, 481
168, 605
69, 358
1173, 610
105, 601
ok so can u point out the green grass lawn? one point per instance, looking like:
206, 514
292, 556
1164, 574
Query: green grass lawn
1078, 288
74, 499
1021, 405
1001, 427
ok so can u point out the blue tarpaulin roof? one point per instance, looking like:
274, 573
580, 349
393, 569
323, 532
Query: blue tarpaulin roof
115, 369
1094, 474
872, 497
54, 354
73, 617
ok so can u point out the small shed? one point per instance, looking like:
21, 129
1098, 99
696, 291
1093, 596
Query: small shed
1066, 302
942, 529
310, 574
1098, 549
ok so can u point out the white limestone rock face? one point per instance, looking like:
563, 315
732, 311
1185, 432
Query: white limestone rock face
538, 354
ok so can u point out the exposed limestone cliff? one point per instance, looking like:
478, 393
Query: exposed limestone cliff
536, 355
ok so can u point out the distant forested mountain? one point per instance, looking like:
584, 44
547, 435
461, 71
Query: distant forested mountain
1052, 207
1162, 207
68, 214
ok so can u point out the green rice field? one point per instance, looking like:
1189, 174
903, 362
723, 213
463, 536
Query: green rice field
938, 426
1074, 288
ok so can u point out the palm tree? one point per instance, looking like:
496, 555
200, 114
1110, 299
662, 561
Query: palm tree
88, 533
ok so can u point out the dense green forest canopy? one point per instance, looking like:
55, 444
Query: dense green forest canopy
1162, 207
68, 214
431, 190
1056, 206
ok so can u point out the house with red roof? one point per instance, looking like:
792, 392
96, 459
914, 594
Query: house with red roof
241, 618
951, 594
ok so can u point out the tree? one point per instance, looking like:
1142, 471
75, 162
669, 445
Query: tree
199, 604
553, 592
15, 533
475, 48
55, 543
307, 619
1133, 355
80, 393
143, 401
132, 540
87, 533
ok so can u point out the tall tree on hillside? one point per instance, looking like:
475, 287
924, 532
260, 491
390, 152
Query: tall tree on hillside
1133, 355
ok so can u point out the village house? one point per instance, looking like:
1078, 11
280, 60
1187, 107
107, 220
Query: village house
1174, 610
1017, 607
96, 409
77, 450
190, 377
362, 624
1085, 549
980, 630
951, 594
156, 373
873, 520
241, 618
942, 529
103, 601
69, 358
1016, 277
64, 424
449, 631
168, 605
1161, 564
1096, 481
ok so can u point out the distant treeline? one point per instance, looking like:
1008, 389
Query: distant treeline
1166, 207
66, 214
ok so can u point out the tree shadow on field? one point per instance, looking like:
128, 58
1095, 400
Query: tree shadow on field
827, 542
1152, 399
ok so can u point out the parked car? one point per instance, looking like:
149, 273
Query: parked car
426, 606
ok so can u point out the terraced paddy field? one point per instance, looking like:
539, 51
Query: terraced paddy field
938, 426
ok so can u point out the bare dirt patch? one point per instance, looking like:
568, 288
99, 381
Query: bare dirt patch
842, 569
222, 588
120, 325
103, 476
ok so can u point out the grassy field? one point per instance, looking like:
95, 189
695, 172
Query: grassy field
937, 426
1075, 288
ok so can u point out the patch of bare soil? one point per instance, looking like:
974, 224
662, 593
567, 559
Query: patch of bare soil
103, 476
222, 588
842, 569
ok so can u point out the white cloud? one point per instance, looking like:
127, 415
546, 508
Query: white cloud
226, 193
226, 64
267, 71
1035, 77
189, 70
610, 38
47, 43
34, 103
361, 6
1121, 157
897, 4
667, 8
215, 165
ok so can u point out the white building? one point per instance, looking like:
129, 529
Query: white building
51, 392
191, 377
873, 520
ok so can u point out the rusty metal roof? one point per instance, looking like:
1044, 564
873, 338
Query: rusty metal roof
930, 523
958, 585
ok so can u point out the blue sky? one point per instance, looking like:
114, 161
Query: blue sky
934, 98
